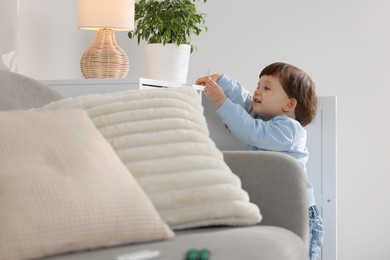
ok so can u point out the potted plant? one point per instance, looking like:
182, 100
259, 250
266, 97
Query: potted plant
167, 27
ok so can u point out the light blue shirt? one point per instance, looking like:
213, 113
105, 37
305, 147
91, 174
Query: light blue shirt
280, 134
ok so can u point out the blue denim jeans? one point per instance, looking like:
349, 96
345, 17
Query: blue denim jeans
316, 232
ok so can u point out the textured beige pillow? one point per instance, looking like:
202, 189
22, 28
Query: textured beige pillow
63, 188
162, 137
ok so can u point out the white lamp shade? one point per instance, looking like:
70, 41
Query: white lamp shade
107, 14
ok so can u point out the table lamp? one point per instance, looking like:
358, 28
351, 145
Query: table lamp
105, 59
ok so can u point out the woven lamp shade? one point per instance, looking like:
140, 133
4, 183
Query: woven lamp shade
105, 59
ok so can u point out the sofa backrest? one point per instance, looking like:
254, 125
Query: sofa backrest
21, 92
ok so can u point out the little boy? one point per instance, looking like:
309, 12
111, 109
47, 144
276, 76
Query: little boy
284, 101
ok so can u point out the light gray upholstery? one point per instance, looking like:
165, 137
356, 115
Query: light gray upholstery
21, 92
247, 243
274, 181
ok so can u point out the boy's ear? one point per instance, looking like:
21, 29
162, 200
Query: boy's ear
291, 105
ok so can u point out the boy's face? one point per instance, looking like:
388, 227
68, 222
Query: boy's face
270, 99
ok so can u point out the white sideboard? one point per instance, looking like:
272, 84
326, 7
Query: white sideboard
79, 87
322, 145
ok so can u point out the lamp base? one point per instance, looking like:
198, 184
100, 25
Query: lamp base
104, 59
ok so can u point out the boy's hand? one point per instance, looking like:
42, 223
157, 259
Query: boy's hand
212, 90
214, 77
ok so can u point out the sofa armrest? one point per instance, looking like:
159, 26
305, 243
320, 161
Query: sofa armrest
277, 184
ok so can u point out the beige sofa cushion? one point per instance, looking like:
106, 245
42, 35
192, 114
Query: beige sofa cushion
162, 137
63, 188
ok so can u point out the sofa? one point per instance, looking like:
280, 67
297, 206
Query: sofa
274, 182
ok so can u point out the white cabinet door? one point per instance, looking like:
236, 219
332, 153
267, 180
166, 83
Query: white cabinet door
321, 169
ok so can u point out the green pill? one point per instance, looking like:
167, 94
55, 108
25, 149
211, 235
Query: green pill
193, 254
204, 254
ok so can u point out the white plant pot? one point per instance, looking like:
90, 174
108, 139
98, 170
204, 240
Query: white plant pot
168, 62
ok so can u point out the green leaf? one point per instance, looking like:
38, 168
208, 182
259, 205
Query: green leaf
167, 21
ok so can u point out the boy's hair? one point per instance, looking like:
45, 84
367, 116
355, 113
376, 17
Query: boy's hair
297, 84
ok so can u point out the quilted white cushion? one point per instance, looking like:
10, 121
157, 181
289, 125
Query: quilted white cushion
162, 137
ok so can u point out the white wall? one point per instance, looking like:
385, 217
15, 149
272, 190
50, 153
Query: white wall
343, 45
8, 32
